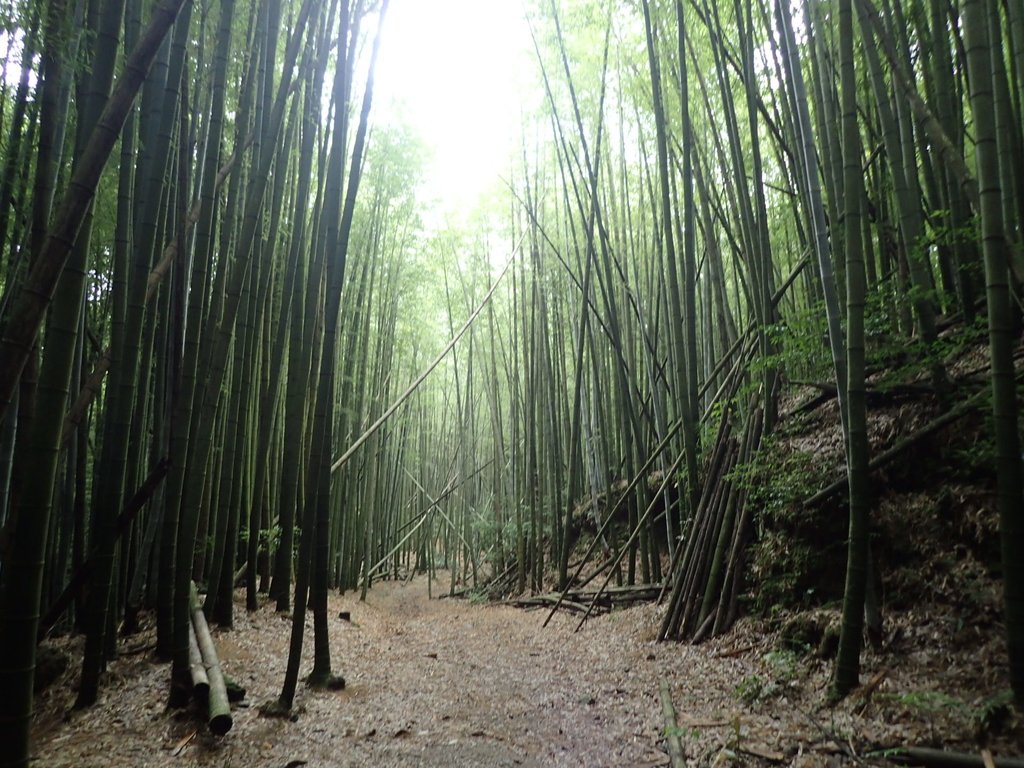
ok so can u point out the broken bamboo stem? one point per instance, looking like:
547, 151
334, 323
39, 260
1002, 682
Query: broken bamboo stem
84, 572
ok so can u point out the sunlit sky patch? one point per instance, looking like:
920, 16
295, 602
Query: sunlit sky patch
455, 71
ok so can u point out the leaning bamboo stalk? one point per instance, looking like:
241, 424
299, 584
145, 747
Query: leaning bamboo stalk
26, 313
744, 338
734, 569
732, 379
722, 461
642, 473
83, 573
613, 564
947, 149
730, 532
697, 571
717, 555
886, 456
714, 472
101, 367
423, 517
219, 709
340, 461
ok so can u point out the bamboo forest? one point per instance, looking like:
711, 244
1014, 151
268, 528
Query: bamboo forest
511, 383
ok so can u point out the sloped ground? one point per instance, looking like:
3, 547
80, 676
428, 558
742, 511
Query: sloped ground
454, 683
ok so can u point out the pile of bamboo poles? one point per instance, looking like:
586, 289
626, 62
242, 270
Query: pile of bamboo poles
707, 573
209, 688
591, 601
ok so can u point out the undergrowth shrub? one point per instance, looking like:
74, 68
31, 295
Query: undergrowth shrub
795, 551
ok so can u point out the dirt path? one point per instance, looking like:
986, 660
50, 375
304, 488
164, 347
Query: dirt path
452, 683
429, 683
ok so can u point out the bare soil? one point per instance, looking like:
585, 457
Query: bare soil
448, 682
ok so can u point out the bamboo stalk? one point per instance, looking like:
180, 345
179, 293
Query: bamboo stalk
668, 712
200, 680
340, 461
888, 455
219, 708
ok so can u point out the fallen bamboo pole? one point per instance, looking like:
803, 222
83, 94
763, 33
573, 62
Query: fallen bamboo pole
219, 708
669, 435
196, 668
604, 589
675, 744
886, 456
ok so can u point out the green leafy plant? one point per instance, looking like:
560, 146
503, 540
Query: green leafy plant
791, 550
680, 731
754, 688
925, 702
993, 713
784, 663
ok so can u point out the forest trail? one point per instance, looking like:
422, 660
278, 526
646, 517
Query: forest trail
451, 682
430, 682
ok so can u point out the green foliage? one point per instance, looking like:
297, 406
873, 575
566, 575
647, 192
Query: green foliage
478, 595
270, 538
944, 233
785, 664
979, 457
754, 688
776, 478
924, 702
495, 535
720, 409
993, 712
794, 545
802, 341
783, 667
681, 732
987, 715
901, 359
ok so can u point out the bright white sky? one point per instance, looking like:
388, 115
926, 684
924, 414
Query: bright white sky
454, 71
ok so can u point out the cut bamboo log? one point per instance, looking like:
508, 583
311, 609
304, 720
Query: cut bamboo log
196, 668
219, 708
675, 744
